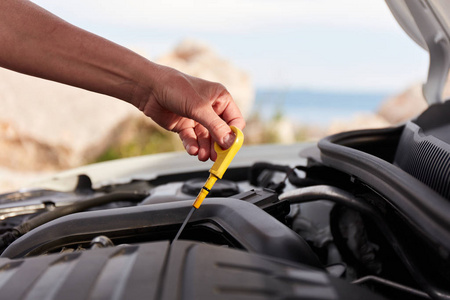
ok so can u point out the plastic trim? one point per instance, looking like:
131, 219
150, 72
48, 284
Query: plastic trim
255, 230
423, 207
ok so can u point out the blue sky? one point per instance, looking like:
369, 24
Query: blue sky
347, 45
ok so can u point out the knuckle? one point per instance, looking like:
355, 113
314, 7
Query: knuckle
201, 132
218, 126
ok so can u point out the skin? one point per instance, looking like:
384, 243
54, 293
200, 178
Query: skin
35, 42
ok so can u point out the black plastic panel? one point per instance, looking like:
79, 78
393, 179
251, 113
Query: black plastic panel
424, 148
244, 224
185, 270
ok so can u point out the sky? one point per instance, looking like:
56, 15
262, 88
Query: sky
332, 45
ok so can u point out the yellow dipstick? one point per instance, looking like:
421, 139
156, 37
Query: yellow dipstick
224, 158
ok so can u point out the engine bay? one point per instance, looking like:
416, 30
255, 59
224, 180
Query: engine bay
314, 216
354, 216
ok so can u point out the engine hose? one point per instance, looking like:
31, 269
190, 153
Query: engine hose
337, 195
301, 182
8, 237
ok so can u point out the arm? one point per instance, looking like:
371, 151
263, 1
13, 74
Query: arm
35, 42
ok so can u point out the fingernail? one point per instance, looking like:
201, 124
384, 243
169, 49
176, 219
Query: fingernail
228, 140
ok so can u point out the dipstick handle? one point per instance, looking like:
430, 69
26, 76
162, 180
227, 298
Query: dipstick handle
224, 158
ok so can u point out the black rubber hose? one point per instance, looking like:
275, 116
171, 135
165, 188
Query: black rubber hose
75, 207
325, 192
301, 182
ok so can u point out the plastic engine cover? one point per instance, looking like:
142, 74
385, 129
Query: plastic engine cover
185, 270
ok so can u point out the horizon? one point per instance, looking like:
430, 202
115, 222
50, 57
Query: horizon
313, 91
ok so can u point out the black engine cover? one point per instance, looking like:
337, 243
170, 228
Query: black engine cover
185, 270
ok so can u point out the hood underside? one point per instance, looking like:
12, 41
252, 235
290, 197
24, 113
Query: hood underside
427, 23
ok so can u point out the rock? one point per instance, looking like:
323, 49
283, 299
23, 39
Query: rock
197, 59
393, 111
408, 104
45, 125
359, 121
254, 131
403, 106
282, 130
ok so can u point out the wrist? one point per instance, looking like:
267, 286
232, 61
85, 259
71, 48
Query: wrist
145, 82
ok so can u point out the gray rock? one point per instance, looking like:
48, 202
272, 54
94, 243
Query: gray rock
197, 59
404, 106
45, 125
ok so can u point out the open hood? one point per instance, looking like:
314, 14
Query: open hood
427, 22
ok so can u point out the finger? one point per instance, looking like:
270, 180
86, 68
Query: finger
189, 139
204, 142
217, 127
223, 113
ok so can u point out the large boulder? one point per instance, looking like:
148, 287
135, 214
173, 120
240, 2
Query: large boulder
408, 104
197, 59
404, 106
395, 110
45, 125
357, 122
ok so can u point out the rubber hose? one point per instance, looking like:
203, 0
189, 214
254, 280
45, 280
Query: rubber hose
75, 207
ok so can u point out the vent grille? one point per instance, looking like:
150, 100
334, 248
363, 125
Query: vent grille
426, 158
431, 165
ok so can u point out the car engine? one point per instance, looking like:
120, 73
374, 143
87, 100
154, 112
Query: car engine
348, 219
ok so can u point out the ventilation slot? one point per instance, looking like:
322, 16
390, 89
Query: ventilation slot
425, 158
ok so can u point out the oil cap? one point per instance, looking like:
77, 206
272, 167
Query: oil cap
222, 188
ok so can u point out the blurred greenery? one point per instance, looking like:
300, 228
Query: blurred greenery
141, 138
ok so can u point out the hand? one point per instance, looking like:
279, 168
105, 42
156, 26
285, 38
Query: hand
198, 110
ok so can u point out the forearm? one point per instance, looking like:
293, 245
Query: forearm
35, 42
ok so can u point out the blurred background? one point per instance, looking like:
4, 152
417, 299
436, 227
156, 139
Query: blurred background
299, 70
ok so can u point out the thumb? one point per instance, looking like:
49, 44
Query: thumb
218, 128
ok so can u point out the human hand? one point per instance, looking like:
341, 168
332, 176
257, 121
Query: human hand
199, 111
